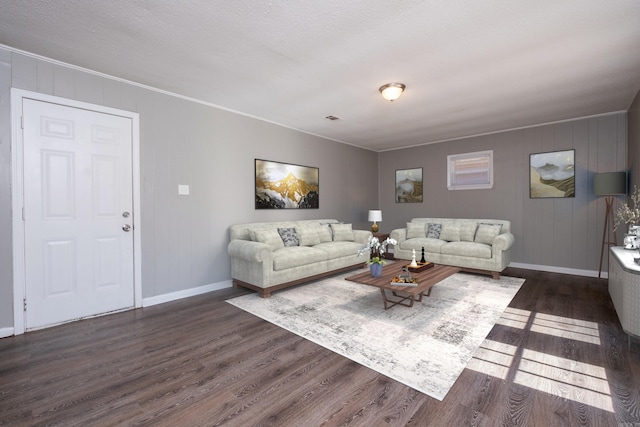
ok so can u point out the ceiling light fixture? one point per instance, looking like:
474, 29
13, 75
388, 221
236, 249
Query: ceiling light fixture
392, 91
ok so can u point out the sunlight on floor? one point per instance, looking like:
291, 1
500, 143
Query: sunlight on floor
565, 378
565, 327
493, 358
557, 376
514, 318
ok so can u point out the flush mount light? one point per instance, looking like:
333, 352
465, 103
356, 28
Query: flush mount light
391, 91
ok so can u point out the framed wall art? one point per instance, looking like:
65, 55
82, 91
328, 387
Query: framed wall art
552, 174
286, 186
409, 185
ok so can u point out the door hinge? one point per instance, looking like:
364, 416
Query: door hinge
23, 213
22, 122
24, 302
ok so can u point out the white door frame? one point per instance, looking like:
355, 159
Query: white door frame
17, 195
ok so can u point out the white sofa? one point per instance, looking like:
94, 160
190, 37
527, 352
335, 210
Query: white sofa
475, 245
260, 260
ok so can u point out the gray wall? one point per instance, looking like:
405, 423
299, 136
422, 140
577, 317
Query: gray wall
6, 254
563, 233
182, 142
184, 238
634, 142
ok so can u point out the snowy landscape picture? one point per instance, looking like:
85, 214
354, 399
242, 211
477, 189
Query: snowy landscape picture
409, 185
552, 174
286, 186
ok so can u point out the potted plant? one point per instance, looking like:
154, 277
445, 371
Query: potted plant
629, 214
376, 249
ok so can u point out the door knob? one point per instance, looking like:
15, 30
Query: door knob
126, 227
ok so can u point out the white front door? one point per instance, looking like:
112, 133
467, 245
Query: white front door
78, 217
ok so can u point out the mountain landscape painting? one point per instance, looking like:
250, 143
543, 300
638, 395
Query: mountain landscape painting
286, 186
552, 174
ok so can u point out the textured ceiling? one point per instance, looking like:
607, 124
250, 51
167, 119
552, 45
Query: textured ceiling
470, 67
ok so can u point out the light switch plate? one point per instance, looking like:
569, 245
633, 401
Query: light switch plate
183, 190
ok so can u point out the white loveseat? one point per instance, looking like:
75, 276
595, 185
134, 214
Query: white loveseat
475, 245
260, 260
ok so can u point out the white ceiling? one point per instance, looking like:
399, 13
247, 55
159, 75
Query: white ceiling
471, 67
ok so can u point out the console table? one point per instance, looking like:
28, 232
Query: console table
624, 288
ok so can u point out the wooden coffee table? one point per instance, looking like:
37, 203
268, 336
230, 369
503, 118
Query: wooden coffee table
426, 280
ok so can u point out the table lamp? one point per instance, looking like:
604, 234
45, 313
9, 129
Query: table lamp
375, 216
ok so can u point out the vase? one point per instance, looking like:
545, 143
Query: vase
632, 238
376, 270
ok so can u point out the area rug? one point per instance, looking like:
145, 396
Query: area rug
425, 347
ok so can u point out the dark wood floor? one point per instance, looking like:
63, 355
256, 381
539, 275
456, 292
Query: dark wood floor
561, 359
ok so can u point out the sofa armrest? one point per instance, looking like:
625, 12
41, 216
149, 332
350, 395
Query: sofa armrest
362, 236
399, 234
503, 241
249, 251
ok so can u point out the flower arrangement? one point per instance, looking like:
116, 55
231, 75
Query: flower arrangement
629, 213
376, 249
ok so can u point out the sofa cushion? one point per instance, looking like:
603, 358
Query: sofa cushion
339, 249
295, 256
468, 231
468, 249
433, 231
308, 235
450, 233
415, 229
342, 233
429, 245
270, 237
487, 232
324, 233
289, 236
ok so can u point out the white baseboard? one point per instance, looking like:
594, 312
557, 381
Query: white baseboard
6, 332
173, 296
563, 270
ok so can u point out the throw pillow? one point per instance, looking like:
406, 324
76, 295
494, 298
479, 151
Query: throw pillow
487, 232
307, 236
342, 233
289, 236
468, 232
415, 230
433, 231
450, 233
328, 225
324, 233
270, 237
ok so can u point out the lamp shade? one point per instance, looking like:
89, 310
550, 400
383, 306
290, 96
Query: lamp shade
375, 215
610, 183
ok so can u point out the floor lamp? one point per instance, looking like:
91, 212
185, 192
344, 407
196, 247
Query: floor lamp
609, 184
